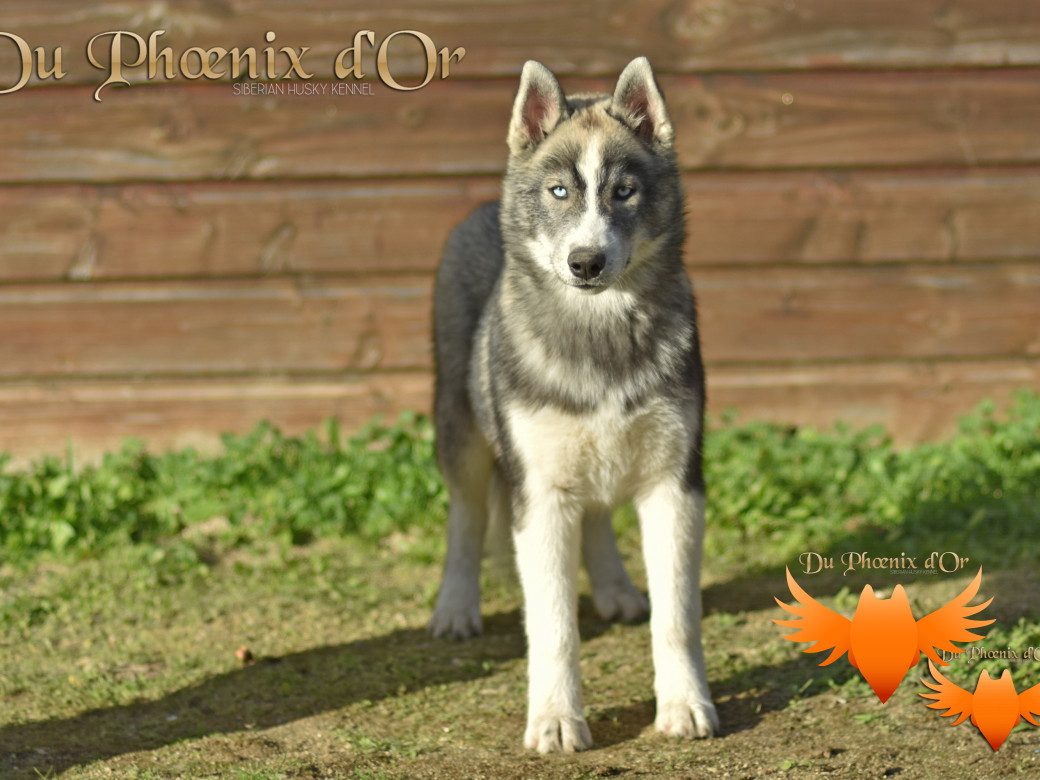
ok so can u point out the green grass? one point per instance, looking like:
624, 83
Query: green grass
381, 480
774, 491
781, 492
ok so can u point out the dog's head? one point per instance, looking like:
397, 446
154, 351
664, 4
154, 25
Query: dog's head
592, 187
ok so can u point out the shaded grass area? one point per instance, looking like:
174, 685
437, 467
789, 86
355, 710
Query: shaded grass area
126, 587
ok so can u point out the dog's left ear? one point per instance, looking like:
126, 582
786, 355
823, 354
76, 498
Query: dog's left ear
638, 103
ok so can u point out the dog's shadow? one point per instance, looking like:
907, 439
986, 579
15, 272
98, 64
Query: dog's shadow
276, 691
268, 693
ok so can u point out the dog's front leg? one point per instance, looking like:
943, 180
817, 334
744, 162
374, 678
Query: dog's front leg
671, 517
547, 535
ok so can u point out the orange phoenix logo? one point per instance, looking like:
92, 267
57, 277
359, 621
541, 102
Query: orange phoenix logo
883, 640
994, 708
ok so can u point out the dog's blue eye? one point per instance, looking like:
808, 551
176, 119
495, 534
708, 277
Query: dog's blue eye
559, 192
624, 193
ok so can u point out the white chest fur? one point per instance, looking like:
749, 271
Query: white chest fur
601, 458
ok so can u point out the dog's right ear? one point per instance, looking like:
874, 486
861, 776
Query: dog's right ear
538, 108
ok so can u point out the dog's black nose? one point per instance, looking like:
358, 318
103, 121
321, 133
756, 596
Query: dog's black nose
586, 263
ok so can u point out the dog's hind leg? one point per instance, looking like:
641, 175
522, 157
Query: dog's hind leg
498, 539
457, 612
613, 593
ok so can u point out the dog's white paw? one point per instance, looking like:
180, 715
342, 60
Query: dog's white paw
682, 718
556, 733
621, 602
456, 622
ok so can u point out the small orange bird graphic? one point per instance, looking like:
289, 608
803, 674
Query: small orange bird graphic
994, 708
883, 640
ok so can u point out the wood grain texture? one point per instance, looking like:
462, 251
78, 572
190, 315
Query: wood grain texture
729, 121
98, 415
591, 37
915, 402
769, 315
862, 179
220, 229
216, 327
863, 216
145, 231
799, 315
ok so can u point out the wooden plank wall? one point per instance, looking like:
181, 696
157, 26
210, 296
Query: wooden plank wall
862, 177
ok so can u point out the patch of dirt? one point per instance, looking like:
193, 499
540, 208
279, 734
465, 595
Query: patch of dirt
347, 684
